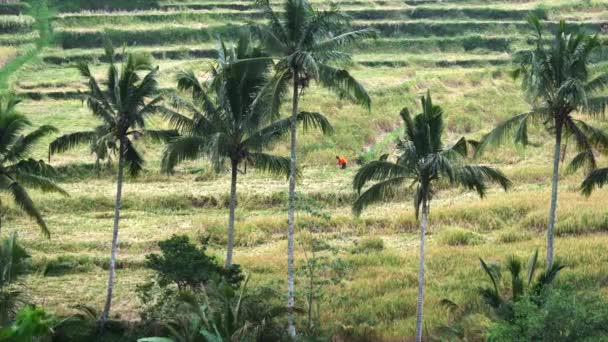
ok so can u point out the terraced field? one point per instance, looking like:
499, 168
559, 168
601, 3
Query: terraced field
460, 49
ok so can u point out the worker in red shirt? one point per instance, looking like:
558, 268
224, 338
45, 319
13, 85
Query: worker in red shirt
341, 162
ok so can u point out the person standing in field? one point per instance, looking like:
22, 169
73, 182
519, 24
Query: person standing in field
342, 162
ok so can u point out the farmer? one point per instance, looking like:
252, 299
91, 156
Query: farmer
341, 162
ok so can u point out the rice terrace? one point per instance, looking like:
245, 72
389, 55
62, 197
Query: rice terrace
303, 170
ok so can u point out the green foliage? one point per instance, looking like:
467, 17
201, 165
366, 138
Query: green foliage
14, 263
17, 23
17, 172
186, 265
223, 314
526, 285
563, 316
422, 161
31, 324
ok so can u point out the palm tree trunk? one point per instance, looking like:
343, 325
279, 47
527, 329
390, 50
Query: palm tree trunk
420, 303
554, 187
230, 245
291, 212
106, 310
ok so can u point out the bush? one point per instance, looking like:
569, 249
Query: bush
562, 317
459, 237
368, 245
512, 235
184, 264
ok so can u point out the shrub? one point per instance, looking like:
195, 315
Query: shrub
512, 235
186, 265
368, 245
563, 317
459, 237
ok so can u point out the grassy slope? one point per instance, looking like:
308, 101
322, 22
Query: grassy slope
379, 292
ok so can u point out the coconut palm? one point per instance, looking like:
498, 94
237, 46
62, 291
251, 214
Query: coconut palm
422, 164
123, 110
17, 172
305, 44
230, 122
558, 82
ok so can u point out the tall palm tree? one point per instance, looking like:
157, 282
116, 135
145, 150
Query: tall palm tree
423, 162
558, 82
231, 121
123, 109
17, 172
305, 44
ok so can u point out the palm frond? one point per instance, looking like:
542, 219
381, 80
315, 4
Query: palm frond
132, 158
38, 182
378, 192
161, 135
597, 178
379, 171
475, 177
516, 127
69, 141
24, 201
344, 85
180, 149
275, 165
532, 265
24, 144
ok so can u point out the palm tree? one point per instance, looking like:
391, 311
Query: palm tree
422, 162
558, 82
231, 121
17, 172
305, 44
123, 109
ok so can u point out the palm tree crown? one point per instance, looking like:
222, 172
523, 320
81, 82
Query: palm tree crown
559, 83
305, 42
230, 117
422, 162
17, 172
123, 109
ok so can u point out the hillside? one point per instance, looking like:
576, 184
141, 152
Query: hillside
459, 49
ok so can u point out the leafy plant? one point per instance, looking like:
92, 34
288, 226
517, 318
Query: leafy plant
14, 263
526, 285
31, 324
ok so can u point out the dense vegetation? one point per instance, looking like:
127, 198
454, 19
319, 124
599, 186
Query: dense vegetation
214, 244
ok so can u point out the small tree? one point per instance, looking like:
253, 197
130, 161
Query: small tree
423, 162
559, 83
